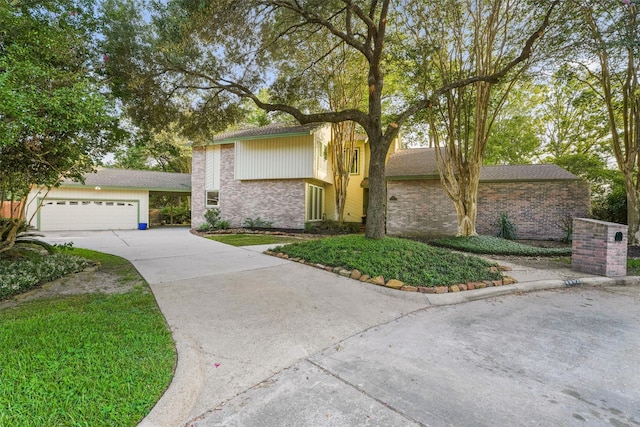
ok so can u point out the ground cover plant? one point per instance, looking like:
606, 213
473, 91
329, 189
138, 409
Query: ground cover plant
31, 268
412, 262
251, 239
497, 246
98, 358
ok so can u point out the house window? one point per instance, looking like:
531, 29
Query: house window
213, 198
315, 203
355, 162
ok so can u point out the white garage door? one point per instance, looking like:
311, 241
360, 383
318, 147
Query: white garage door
88, 215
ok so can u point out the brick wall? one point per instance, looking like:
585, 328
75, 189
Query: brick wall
197, 186
537, 208
280, 201
421, 207
595, 249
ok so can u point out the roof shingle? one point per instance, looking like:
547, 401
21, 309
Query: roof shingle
268, 131
135, 179
421, 162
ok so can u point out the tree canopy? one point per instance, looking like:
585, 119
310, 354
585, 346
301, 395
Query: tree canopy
54, 122
203, 57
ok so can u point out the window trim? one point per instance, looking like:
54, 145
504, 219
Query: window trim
355, 161
315, 200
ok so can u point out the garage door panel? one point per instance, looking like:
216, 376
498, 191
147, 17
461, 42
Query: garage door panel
88, 215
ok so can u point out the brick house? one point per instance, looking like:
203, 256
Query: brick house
279, 173
537, 198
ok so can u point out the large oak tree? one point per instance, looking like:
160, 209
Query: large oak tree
206, 55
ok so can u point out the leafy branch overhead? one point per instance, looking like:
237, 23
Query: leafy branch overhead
202, 57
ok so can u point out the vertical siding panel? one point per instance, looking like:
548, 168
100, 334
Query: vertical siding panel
216, 167
209, 168
278, 158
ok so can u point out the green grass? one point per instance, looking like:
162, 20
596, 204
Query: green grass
633, 267
414, 263
85, 360
496, 246
251, 239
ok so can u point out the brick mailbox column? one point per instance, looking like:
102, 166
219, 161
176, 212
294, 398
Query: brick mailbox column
599, 247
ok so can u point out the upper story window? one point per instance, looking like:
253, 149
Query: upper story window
355, 162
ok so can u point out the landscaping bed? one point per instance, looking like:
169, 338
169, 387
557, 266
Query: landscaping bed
397, 263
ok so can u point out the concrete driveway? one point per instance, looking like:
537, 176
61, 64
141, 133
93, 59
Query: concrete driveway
266, 342
238, 317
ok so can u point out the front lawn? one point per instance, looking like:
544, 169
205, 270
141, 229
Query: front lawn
251, 239
414, 263
91, 359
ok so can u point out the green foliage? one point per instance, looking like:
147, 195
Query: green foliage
175, 214
212, 216
55, 122
506, 228
223, 225
250, 239
163, 150
496, 246
253, 223
611, 207
17, 276
332, 227
93, 359
566, 224
414, 263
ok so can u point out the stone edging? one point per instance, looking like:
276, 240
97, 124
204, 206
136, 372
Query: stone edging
399, 285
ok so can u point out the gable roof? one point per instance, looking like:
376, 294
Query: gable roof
270, 131
135, 179
421, 163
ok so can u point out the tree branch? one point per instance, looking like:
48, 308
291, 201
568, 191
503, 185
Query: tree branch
490, 78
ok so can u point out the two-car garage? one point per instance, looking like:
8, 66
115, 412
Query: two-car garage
82, 214
110, 199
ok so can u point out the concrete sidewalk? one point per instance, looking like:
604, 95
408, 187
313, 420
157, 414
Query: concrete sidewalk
256, 334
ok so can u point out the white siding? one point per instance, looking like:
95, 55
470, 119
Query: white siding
212, 169
277, 158
75, 216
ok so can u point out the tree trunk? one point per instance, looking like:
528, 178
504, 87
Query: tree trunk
377, 209
633, 209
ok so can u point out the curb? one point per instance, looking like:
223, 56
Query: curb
478, 294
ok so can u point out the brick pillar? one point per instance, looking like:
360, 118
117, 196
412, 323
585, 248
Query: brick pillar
599, 247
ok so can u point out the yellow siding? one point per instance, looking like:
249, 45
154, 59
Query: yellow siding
353, 210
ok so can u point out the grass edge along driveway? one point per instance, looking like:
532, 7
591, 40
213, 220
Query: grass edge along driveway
94, 359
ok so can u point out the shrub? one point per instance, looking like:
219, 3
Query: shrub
256, 223
20, 275
332, 227
506, 228
205, 226
223, 225
175, 214
566, 224
212, 216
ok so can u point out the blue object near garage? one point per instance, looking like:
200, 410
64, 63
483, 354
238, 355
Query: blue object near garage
142, 226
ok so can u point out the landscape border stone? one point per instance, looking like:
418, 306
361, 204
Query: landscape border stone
398, 284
